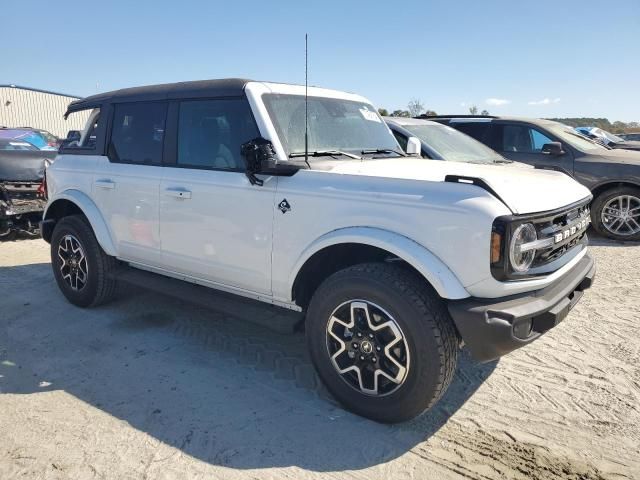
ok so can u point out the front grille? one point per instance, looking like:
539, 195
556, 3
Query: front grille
556, 227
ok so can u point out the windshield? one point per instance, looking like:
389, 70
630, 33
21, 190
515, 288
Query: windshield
333, 124
575, 139
452, 145
30, 136
609, 136
9, 144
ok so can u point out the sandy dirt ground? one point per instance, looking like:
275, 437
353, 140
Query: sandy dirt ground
153, 387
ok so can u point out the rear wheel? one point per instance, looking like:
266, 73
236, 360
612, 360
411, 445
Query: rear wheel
615, 213
382, 341
83, 271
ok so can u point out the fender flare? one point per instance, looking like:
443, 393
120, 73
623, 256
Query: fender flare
425, 262
91, 211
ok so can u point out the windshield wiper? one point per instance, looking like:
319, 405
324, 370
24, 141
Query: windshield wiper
324, 153
502, 160
382, 150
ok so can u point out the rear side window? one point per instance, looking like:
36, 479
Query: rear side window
137, 134
211, 132
476, 130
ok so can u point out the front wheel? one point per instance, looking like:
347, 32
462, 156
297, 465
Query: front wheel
382, 341
615, 213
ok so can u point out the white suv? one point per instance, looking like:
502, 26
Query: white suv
307, 203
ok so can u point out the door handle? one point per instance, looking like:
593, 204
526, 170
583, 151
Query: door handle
106, 183
177, 192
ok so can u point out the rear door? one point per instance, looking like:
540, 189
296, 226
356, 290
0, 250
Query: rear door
126, 182
215, 225
523, 143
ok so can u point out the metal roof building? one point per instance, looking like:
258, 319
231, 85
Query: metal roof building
31, 107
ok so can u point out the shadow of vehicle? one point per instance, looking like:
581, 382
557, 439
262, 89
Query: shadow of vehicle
220, 389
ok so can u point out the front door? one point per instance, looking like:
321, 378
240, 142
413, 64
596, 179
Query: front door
523, 143
214, 224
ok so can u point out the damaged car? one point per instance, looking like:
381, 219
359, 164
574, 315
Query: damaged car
22, 194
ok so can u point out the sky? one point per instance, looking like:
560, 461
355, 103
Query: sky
542, 58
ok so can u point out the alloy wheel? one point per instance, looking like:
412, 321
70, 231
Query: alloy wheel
621, 215
73, 267
367, 348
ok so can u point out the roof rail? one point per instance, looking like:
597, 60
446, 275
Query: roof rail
425, 116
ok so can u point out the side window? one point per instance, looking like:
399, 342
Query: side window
211, 132
476, 130
522, 139
138, 132
91, 124
402, 140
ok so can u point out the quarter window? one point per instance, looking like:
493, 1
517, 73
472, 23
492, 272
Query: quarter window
211, 132
138, 133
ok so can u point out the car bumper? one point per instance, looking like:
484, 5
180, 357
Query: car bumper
494, 327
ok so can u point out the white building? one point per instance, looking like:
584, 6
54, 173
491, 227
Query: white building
30, 107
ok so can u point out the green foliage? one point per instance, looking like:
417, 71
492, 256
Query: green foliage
400, 113
383, 112
484, 113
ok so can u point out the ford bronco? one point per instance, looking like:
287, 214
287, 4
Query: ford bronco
304, 200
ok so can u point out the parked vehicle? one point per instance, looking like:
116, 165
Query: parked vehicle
41, 139
613, 176
608, 139
441, 142
21, 173
392, 259
629, 136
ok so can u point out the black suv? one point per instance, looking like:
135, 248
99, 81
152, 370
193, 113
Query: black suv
613, 176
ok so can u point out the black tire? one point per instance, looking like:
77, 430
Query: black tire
100, 284
423, 318
599, 204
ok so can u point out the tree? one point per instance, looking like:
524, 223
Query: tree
430, 113
400, 113
415, 107
473, 110
383, 112
484, 113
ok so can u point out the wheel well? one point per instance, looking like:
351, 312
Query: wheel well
57, 210
608, 186
334, 258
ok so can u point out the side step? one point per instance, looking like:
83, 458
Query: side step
275, 318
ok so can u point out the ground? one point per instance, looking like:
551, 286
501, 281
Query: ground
153, 387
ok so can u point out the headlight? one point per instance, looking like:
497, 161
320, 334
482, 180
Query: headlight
521, 261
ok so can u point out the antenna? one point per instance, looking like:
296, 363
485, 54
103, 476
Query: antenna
306, 100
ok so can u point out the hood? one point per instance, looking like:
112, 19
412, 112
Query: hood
618, 155
522, 188
627, 144
24, 165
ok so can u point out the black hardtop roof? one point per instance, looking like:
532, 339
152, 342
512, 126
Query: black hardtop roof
226, 87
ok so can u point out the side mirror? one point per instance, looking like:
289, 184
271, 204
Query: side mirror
553, 148
261, 158
72, 136
414, 147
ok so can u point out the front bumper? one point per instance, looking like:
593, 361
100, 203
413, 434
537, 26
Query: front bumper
494, 327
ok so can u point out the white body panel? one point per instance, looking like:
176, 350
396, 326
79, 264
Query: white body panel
216, 229
222, 233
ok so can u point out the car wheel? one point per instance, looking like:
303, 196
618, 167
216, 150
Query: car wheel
382, 341
615, 213
83, 271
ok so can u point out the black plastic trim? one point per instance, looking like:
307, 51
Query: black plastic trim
487, 325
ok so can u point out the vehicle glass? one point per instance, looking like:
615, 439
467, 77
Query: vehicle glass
211, 132
401, 139
11, 144
452, 145
34, 138
476, 130
333, 124
575, 139
138, 133
610, 136
523, 139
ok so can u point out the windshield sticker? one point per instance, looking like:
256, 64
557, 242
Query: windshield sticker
369, 115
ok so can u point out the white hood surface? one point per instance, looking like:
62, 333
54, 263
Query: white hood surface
523, 188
